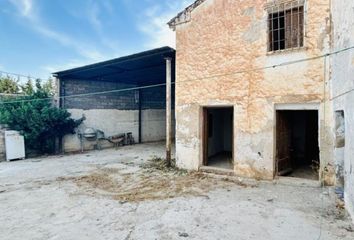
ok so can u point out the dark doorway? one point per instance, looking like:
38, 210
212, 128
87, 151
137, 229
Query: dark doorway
297, 148
218, 137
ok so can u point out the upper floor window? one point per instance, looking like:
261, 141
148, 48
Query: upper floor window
285, 25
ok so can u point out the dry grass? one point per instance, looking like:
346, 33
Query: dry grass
155, 181
160, 164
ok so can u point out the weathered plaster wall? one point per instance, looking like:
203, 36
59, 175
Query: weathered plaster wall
343, 84
110, 121
113, 122
224, 37
116, 112
2, 145
153, 125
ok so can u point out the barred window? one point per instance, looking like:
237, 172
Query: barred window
285, 25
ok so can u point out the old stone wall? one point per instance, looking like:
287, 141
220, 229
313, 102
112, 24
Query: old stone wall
343, 95
219, 54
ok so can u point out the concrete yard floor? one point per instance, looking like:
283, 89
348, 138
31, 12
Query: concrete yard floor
109, 195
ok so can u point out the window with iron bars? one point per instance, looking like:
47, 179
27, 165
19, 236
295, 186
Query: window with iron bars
285, 25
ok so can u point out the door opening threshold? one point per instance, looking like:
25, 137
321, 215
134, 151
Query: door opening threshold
215, 170
301, 182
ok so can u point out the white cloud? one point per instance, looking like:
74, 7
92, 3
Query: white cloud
82, 49
68, 65
155, 23
27, 10
93, 16
25, 7
158, 32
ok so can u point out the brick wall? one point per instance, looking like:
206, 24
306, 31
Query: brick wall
152, 98
120, 100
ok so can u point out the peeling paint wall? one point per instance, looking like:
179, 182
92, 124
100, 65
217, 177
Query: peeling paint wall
110, 121
225, 37
2, 145
343, 94
113, 122
114, 113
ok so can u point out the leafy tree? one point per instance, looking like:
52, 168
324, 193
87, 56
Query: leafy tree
28, 87
8, 85
37, 119
48, 86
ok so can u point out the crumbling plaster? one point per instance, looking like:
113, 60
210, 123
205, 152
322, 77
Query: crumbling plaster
223, 39
343, 95
113, 122
2, 145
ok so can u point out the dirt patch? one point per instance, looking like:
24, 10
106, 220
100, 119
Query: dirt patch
160, 164
154, 181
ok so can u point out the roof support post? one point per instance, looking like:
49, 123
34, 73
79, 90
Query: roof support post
168, 110
57, 92
57, 100
140, 116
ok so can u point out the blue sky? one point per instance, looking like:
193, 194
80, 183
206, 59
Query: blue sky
43, 36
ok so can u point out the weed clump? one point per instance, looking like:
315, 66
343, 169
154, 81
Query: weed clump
160, 164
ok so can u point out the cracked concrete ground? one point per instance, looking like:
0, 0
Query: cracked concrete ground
108, 195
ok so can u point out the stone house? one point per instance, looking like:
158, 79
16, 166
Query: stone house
252, 95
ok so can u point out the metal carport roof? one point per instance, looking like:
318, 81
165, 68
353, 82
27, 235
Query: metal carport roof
142, 69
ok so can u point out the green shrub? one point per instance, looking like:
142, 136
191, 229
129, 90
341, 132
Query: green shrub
37, 119
8, 85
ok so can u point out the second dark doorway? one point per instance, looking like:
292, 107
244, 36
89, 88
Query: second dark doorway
297, 144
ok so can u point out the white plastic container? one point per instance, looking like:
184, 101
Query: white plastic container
14, 145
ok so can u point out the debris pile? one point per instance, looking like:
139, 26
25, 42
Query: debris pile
154, 181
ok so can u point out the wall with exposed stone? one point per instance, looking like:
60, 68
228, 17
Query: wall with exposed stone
222, 39
2, 145
343, 96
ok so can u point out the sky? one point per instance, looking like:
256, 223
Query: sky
39, 37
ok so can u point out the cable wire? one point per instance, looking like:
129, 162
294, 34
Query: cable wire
19, 75
86, 94
322, 167
190, 79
